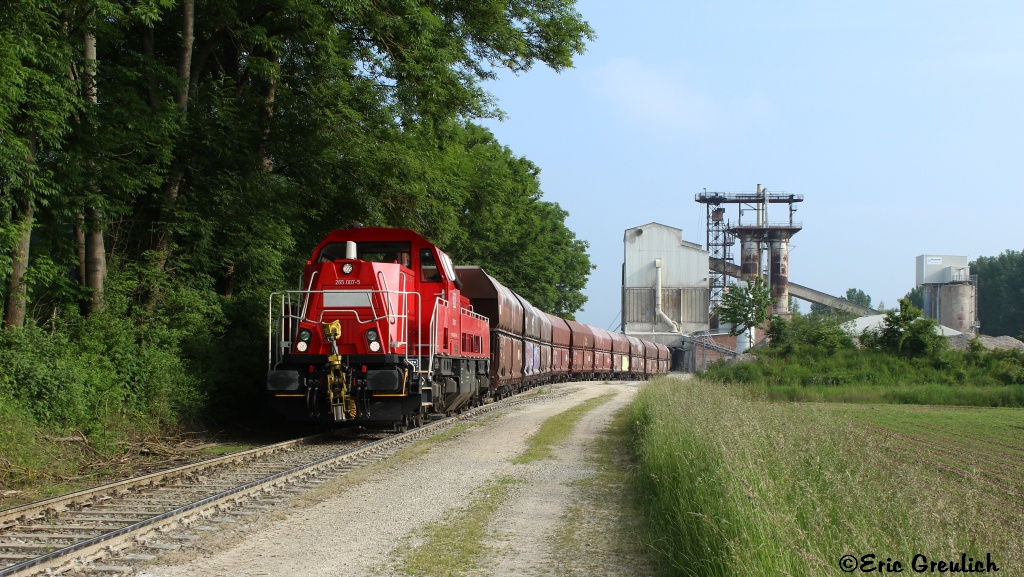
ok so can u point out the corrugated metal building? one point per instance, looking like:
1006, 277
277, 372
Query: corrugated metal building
656, 256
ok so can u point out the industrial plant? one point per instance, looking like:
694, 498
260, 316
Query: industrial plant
672, 287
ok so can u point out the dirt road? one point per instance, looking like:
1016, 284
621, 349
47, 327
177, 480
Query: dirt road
565, 515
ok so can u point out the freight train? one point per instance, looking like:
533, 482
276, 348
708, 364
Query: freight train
386, 330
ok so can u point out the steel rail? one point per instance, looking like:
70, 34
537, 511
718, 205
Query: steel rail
62, 502
94, 548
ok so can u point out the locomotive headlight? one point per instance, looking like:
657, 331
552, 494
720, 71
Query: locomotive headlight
373, 339
301, 346
304, 336
346, 268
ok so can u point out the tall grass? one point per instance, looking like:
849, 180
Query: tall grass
733, 485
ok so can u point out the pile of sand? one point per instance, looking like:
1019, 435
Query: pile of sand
960, 342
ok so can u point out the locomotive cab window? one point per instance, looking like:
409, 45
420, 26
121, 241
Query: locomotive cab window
332, 252
428, 267
389, 252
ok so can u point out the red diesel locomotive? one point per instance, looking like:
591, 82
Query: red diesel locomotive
384, 329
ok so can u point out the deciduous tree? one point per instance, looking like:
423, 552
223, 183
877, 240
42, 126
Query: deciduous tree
36, 104
1000, 293
858, 297
746, 305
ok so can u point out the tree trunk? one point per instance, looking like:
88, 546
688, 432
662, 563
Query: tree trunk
146, 35
185, 65
14, 310
95, 251
172, 186
17, 291
80, 246
95, 257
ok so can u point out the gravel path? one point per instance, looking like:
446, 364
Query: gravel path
524, 527
358, 524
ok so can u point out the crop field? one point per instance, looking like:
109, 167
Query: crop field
980, 446
733, 484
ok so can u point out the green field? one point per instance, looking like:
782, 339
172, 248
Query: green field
733, 484
985, 446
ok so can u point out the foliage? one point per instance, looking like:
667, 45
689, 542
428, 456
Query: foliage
858, 297
746, 305
214, 174
508, 229
854, 295
916, 296
121, 364
794, 305
821, 334
819, 309
906, 331
1001, 293
811, 358
37, 99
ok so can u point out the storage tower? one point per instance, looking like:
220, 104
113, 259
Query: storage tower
950, 291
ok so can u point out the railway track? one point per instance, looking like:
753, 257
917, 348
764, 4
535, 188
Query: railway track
107, 529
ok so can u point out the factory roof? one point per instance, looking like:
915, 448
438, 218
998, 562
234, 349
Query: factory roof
678, 231
858, 325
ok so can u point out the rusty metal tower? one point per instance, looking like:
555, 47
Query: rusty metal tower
759, 238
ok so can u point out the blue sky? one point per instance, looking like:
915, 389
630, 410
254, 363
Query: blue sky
901, 123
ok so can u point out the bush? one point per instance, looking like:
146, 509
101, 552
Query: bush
812, 359
120, 367
35, 374
812, 334
920, 339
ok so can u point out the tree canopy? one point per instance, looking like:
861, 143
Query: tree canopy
171, 162
854, 295
1001, 293
746, 305
858, 297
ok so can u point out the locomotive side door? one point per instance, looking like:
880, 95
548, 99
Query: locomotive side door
434, 286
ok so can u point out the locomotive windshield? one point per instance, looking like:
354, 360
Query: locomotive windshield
428, 267
393, 252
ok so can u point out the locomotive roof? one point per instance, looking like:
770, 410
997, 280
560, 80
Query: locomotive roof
374, 234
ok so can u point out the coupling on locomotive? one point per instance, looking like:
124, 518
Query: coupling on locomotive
385, 329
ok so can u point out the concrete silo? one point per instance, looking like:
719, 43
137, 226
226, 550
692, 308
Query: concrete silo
950, 291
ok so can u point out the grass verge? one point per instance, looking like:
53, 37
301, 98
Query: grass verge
556, 429
730, 484
599, 532
455, 545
